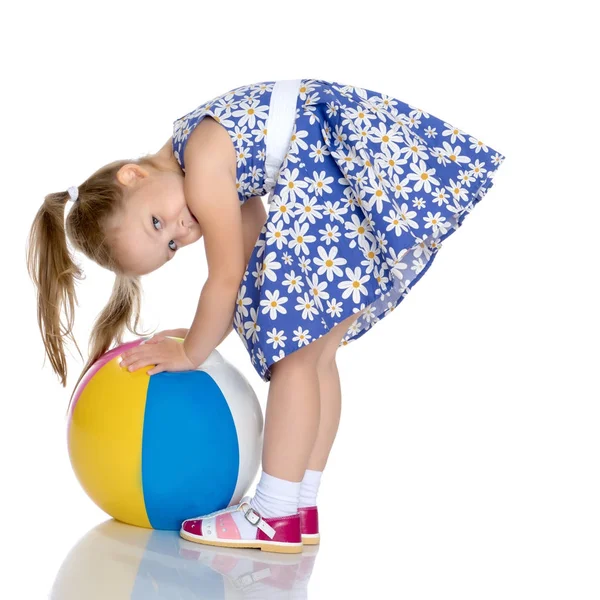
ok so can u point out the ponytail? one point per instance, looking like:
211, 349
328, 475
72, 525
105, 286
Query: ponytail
122, 308
121, 312
54, 273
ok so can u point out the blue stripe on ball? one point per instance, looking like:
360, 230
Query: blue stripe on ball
190, 451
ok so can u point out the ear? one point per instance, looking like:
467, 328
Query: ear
130, 172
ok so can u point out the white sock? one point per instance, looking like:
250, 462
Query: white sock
274, 497
309, 488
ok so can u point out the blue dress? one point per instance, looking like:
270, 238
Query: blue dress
368, 190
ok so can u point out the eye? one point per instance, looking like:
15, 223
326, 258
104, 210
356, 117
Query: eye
157, 221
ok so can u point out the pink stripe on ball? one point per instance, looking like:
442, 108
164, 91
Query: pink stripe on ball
105, 358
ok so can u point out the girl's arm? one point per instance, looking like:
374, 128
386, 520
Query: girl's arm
253, 220
213, 319
210, 189
229, 330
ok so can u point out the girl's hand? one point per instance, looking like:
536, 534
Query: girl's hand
165, 354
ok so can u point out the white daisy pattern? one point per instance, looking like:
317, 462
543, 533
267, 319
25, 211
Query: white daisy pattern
368, 190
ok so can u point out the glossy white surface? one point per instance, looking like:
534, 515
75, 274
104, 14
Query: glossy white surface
118, 561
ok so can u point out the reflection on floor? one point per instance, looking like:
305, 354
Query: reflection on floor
115, 561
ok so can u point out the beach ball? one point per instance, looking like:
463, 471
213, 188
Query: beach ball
154, 450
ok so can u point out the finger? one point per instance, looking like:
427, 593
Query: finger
155, 339
138, 364
130, 352
155, 370
129, 357
134, 366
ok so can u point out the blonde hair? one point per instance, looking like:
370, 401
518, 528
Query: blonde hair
53, 271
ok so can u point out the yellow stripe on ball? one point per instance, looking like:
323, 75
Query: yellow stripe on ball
105, 441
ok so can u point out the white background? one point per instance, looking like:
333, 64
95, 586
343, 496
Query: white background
466, 464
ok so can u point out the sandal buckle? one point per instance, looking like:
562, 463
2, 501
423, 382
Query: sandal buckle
252, 516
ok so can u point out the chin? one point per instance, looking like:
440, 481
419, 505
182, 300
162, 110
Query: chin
196, 239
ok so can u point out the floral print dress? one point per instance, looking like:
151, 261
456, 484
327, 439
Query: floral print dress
367, 192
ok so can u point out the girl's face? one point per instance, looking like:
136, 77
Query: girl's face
155, 222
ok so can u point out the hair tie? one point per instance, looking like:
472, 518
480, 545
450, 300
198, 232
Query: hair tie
73, 193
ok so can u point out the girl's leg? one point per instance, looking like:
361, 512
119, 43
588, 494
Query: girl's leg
293, 413
299, 424
331, 405
303, 407
330, 395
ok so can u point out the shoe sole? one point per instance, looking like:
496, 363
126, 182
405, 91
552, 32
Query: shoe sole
282, 548
311, 539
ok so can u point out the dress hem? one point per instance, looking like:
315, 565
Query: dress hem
484, 187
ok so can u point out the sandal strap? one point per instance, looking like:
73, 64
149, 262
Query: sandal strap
255, 519
222, 511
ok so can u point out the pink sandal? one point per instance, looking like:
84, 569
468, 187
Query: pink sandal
309, 525
273, 534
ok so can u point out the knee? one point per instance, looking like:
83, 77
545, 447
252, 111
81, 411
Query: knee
326, 361
301, 360
332, 341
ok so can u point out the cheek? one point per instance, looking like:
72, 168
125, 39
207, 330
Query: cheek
174, 196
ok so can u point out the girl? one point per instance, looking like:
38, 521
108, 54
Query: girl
363, 188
